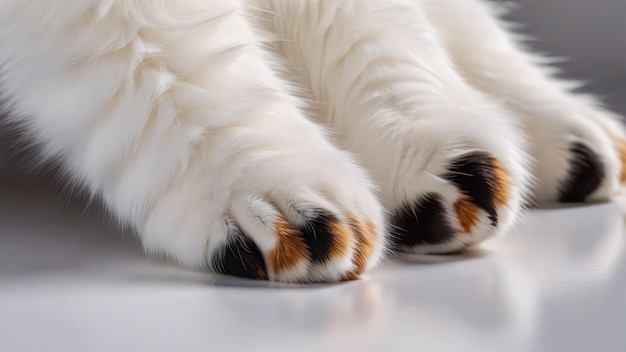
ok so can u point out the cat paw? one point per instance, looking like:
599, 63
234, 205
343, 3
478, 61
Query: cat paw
577, 159
471, 199
281, 217
297, 238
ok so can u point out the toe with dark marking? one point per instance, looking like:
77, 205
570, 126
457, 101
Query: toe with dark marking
423, 223
483, 182
585, 174
240, 256
365, 234
318, 239
476, 175
319, 235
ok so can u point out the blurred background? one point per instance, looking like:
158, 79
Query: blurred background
591, 34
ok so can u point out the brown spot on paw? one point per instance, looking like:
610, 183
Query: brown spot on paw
502, 185
290, 248
467, 213
341, 240
481, 178
365, 235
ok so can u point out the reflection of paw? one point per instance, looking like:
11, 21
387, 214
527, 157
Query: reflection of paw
476, 201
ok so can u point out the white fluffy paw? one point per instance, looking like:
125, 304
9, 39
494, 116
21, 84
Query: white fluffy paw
297, 239
472, 199
578, 157
319, 226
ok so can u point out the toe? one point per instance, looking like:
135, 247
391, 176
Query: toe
423, 223
239, 256
586, 173
325, 237
477, 209
366, 245
483, 183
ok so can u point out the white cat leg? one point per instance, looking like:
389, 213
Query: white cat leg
171, 112
577, 145
449, 165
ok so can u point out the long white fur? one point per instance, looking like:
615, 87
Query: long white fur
553, 115
176, 114
172, 112
383, 81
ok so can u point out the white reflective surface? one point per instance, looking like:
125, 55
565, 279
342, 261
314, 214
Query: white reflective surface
72, 282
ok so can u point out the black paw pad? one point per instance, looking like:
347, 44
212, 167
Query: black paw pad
585, 174
476, 176
240, 257
422, 223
